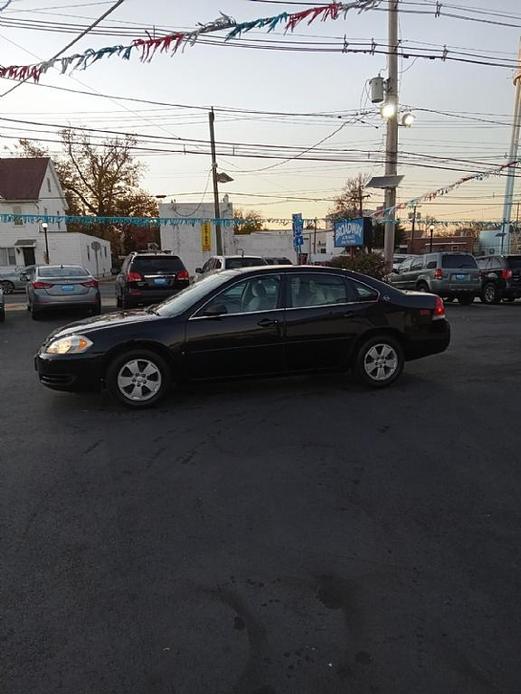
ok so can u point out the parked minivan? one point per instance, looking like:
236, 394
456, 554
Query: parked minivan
449, 275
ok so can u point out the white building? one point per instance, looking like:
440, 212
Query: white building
194, 243
30, 186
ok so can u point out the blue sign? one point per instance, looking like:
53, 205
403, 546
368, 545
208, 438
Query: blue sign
349, 232
298, 228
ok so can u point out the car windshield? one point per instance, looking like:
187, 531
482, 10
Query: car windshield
458, 261
188, 297
514, 262
155, 264
232, 263
62, 271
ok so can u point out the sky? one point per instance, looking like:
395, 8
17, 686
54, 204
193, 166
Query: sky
282, 81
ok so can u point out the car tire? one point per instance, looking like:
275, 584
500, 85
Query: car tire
126, 304
96, 310
35, 313
367, 371
490, 294
118, 301
422, 287
466, 299
7, 286
2, 314
133, 365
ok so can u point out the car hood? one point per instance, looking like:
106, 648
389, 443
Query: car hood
109, 320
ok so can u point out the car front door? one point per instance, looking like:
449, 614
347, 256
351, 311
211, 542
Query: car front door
399, 279
320, 321
239, 331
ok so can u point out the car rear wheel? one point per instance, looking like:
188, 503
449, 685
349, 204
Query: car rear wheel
490, 294
422, 287
466, 299
126, 303
118, 301
96, 309
379, 362
35, 312
7, 286
2, 314
139, 378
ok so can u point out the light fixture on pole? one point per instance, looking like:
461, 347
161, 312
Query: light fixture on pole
45, 226
388, 110
408, 119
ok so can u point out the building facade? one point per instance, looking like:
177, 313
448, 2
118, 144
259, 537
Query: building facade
30, 186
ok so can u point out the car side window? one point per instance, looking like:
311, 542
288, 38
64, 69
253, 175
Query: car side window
431, 265
405, 266
417, 264
247, 296
206, 266
320, 289
362, 292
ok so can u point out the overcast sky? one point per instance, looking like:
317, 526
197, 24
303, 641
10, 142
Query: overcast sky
280, 81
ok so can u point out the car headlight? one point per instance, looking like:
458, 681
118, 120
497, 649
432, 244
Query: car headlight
72, 344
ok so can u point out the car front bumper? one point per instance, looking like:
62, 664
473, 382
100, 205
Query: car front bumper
74, 373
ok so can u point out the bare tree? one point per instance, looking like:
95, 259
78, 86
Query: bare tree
350, 202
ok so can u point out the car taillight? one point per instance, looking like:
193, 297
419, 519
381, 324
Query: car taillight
439, 308
506, 274
90, 283
42, 285
183, 275
438, 274
134, 276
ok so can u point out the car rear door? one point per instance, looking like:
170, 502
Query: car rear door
238, 332
321, 320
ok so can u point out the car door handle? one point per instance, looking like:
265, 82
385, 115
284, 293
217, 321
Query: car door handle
267, 323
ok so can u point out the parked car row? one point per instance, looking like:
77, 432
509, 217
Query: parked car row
460, 276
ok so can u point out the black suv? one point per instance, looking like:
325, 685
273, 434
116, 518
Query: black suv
500, 278
149, 278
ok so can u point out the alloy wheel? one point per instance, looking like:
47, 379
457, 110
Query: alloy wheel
381, 362
139, 380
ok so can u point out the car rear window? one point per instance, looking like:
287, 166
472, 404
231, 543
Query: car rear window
157, 263
458, 261
63, 271
234, 263
514, 261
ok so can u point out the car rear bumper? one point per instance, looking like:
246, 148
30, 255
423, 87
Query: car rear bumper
432, 340
69, 373
150, 296
43, 300
444, 288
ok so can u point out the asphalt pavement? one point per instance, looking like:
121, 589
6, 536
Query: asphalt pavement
294, 536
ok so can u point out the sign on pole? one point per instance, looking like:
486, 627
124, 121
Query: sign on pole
206, 236
298, 228
350, 232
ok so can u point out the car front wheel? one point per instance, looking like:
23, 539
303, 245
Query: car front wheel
7, 286
379, 362
139, 378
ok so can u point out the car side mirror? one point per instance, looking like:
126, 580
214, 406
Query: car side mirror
198, 270
215, 311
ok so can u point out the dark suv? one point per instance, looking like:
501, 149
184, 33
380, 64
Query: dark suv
449, 275
149, 278
500, 277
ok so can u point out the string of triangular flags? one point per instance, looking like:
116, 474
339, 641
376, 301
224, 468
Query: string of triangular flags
171, 43
444, 190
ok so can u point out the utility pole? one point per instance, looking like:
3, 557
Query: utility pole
512, 156
391, 142
315, 233
413, 226
218, 234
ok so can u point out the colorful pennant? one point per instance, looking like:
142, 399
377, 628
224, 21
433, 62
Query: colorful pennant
171, 43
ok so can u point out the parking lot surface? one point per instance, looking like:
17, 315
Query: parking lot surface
295, 536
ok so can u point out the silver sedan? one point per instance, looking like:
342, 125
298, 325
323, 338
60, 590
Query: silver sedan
61, 286
12, 280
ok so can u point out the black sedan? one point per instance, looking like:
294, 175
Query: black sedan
246, 322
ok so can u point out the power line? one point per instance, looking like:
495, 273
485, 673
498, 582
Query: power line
71, 43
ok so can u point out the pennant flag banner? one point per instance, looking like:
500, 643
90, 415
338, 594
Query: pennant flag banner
171, 43
134, 221
427, 197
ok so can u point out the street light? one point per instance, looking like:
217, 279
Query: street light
45, 226
431, 229
408, 119
388, 110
